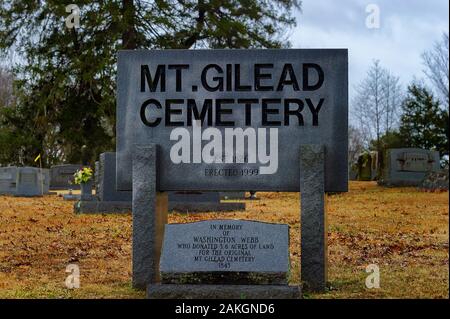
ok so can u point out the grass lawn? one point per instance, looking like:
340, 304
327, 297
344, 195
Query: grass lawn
402, 230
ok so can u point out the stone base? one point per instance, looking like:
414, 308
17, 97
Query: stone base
71, 197
232, 195
169, 291
199, 207
225, 277
98, 207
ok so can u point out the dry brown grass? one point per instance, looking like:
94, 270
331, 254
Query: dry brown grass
402, 230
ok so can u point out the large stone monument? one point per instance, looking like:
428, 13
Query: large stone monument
230, 120
408, 166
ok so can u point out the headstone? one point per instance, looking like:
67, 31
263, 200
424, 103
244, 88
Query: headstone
47, 180
97, 185
61, 176
108, 199
435, 181
106, 189
408, 166
8, 179
365, 170
353, 172
30, 182
225, 252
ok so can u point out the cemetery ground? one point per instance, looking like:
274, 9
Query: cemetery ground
402, 230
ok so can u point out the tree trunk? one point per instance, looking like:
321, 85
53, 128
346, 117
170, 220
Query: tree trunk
129, 35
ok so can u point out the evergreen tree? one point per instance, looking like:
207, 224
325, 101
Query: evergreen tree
66, 88
424, 123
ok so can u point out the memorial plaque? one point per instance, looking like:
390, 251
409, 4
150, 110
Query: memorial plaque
233, 120
409, 166
225, 251
414, 162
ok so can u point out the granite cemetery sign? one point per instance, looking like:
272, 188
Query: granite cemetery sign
231, 120
201, 106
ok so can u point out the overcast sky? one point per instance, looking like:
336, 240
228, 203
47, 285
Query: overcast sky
407, 28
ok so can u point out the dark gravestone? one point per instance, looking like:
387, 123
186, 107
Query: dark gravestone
409, 166
225, 252
108, 198
31, 181
365, 167
8, 179
107, 186
435, 181
61, 176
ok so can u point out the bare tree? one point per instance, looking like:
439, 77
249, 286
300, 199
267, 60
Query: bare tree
368, 103
6, 87
376, 104
437, 67
355, 144
391, 101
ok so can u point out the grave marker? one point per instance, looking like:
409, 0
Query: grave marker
409, 166
32, 181
225, 251
8, 179
61, 176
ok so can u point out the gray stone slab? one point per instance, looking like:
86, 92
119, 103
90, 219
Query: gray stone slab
97, 185
71, 197
61, 176
409, 166
8, 179
149, 213
32, 181
202, 207
436, 181
101, 207
225, 252
313, 217
268, 117
106, 184
173, 291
